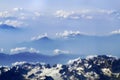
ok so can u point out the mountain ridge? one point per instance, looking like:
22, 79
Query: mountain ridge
6, 59
100, 67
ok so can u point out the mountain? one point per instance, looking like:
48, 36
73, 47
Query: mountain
44, 44
7, 27
6, 59
78, 44
42, 39
99, 67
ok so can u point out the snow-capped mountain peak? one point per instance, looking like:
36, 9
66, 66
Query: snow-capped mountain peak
96, 68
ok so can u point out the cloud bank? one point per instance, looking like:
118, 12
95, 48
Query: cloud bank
116, 32
73, 14
69, 33
58, 51
23, 49
1, 50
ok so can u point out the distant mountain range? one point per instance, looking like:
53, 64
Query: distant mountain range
78, 44
7, 27
100, 67
6, 59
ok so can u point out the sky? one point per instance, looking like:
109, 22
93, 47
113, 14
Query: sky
65, 4
34, 17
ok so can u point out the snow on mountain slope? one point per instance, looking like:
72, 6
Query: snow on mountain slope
92, 68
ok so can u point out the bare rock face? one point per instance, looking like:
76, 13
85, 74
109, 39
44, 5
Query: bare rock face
91, 68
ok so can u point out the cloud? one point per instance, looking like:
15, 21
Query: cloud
18, 63
33, 50
63, 14
14, 23
37, 14
23, 49
86, 17
21, 13
11, 13
13, 17
73, 14
17, 9
91, 57
17, 14
39, 37
58, 51
69, 33
1, 50
87, 14
22, 18
103, 11
116, 32
5, 14
18, 49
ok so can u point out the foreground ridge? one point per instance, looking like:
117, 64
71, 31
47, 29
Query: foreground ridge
99, 67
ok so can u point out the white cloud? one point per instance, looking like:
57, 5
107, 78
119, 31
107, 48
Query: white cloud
18, 49
18, 13
58, 51
1, 50
63, 14
68, 33
18, 63
22, 14
91, 57
23, 49
11, 17
73, 14
116, 32
86, 17
37, 14
10, 13
84, 13
14, 23
17, 9
22, 18
75, 17
39, 37
89, 17
1, 22
5, 14
103, 11
33, 50
15, 14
